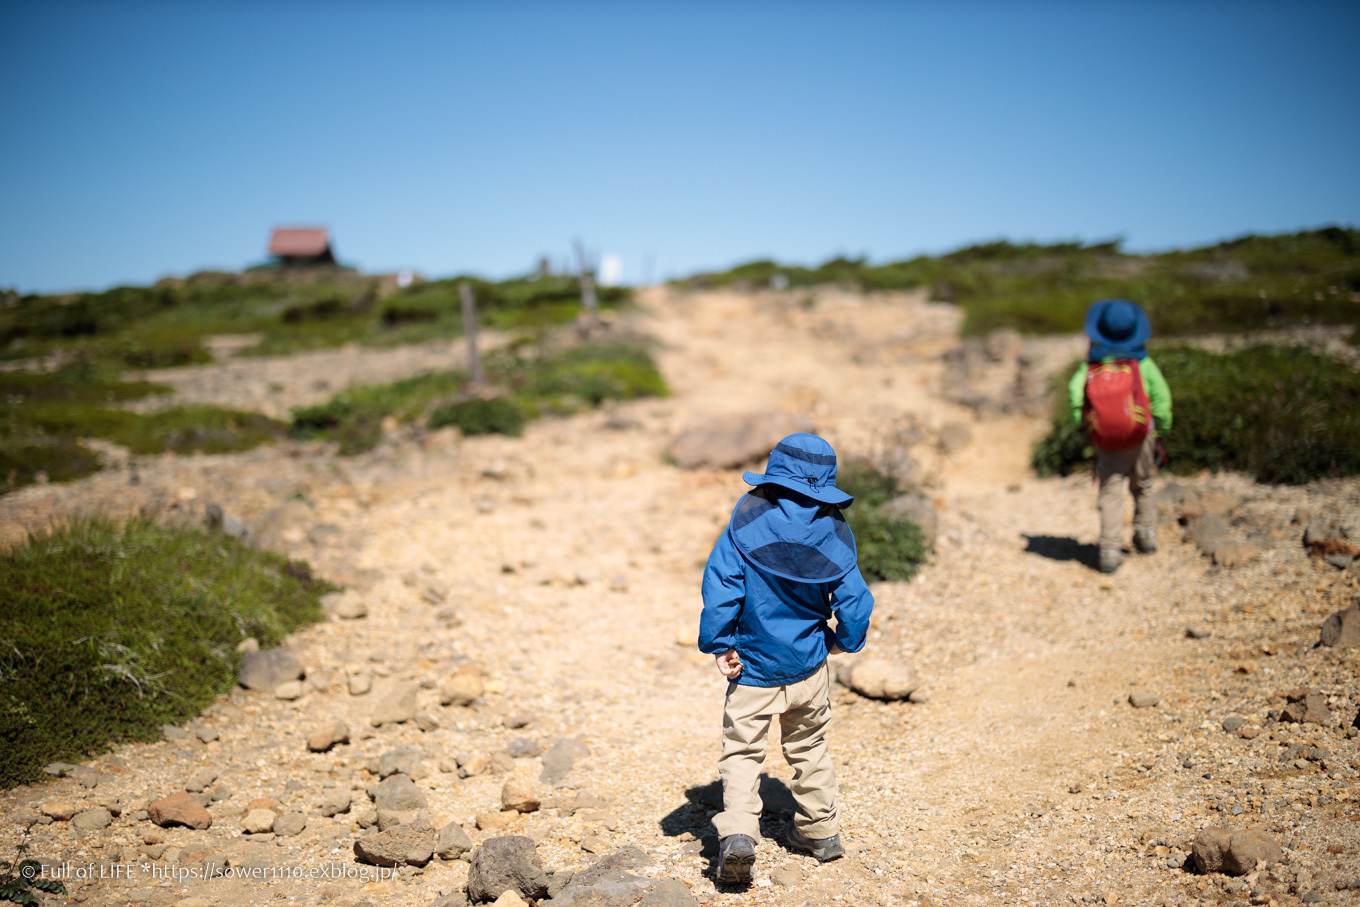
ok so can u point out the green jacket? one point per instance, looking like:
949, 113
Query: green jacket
1159, 393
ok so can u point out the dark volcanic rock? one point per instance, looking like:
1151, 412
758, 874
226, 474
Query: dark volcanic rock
500, 864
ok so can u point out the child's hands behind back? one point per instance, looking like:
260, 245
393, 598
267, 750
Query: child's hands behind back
729, 663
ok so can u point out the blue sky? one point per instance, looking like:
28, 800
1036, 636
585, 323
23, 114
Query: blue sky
144, 139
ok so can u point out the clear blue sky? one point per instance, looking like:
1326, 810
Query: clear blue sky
142, 139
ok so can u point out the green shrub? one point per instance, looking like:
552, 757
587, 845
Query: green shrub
579, 378
891, 548
480, 416
110, 631
1282, 414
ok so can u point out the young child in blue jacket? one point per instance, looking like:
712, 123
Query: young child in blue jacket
784, 570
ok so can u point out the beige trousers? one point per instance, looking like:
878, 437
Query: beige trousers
1135, 467
804, 711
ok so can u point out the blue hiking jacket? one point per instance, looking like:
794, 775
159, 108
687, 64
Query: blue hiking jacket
780, 627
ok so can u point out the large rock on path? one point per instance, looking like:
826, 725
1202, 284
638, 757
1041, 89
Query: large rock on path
179, 809
1234, 852
506, 863
452, 842
400, 845
725, 442
878, 678
268, 668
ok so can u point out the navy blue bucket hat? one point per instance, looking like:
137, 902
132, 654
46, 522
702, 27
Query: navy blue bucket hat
1117, 328
806, 464
802, 536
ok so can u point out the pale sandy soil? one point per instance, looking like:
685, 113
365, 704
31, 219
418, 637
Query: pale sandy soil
573, 558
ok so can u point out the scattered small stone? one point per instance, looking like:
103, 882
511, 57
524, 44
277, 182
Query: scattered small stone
397, 706
452, 842
1197, 633
786, 876
510, 898
207, 734
517, 798
523, 748
1235, 554
399, 792
427, 722
1143, 700
336, 802
346, 605
175, 734
360, 682
1233, 722
266, 669
326, 735
498, 821
290, 690
87, 776
558, 761
290, 824
258, 821
1342, 629
506, 863
1307, 707
1234, 852
471, 764
401, 845
402, 761
462, 687
518, 720
501, 763
179, 809
92, 819
594, 844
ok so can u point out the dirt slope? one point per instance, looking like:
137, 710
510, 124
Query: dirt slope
572, 559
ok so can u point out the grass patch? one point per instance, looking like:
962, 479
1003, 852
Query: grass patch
480, 416
1283, 415
532, 385
1247, 284
43, 417
891, 547
111, 631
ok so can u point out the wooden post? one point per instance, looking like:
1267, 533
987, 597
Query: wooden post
470, 328
589, 302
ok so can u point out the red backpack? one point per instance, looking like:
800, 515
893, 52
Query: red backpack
1116, 410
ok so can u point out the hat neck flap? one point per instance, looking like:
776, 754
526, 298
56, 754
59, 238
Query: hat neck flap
793, 536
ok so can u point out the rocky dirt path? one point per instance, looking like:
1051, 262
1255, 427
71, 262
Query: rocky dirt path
565, 567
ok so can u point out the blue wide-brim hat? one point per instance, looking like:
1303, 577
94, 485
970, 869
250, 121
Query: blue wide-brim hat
1117, 327
806, 464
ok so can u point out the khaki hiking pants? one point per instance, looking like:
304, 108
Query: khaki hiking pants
804, 711
1136, 466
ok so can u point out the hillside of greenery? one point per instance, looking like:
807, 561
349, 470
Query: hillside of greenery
165, 324
1251, 283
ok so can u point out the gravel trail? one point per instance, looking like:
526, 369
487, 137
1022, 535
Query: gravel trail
565, 565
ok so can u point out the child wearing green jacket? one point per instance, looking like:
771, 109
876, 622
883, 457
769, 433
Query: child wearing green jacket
1119, 331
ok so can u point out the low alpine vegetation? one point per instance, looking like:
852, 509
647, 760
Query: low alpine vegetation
111, 631
1282, 414
891, 547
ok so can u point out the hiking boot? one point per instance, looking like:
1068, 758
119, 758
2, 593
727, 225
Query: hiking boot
736, 853
824, 849
1110, 559
1145, 540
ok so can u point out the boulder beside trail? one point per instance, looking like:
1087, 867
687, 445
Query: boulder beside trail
725, 442
326, 735
878, 678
